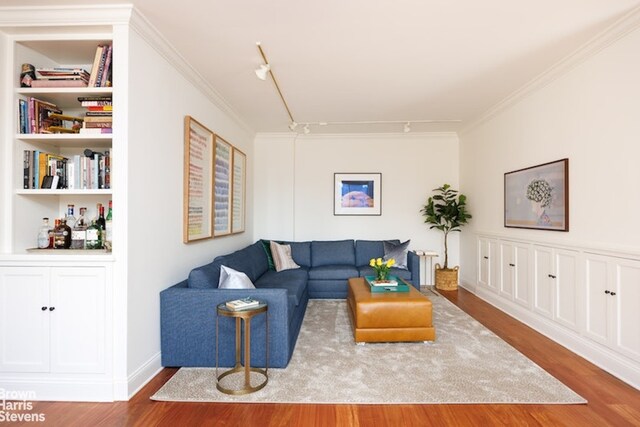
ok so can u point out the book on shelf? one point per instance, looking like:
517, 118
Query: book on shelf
58, 83
105, 113
96, 130
99, 108
242, 304
77, 172
93, 77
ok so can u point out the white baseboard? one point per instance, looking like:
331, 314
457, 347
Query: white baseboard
143, 375
616, 364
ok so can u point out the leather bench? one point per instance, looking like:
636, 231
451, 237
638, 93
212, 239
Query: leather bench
389, 316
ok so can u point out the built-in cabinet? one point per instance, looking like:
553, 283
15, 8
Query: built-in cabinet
586, 298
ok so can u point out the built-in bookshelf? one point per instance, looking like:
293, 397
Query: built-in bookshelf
31, 202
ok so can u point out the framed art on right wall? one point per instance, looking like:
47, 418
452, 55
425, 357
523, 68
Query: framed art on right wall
537, 197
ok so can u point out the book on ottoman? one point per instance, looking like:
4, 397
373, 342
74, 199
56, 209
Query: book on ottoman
393, 284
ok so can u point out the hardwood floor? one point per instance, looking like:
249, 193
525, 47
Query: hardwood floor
611, 402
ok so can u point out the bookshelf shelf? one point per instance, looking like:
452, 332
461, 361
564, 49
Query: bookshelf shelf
64, 97
65, 192
67, 140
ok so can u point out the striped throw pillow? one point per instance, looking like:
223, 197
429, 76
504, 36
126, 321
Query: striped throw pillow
282, 257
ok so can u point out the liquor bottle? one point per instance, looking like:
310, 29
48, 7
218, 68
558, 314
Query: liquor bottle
79, 232
71, 220
101, 221
109, 227
43, 234
94, 236
62, 236
52, 230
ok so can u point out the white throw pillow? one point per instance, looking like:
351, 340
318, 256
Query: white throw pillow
282, 257
232, 279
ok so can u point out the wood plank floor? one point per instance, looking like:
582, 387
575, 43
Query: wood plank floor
611, 402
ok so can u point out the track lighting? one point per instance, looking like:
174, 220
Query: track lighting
306, 129
293, 125
407, 127
262, 71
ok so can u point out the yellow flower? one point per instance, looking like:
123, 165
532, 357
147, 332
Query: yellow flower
372, 263
379, 262
391, 262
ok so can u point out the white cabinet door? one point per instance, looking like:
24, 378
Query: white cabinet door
507, 269
597, 295
522, 278
487, 264
78, 319
626, 297
566, 287
24, 324
543, 291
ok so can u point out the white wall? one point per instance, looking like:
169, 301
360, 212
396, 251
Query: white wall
159, 99
294, 185
591, 116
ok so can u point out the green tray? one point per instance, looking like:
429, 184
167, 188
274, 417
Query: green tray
400, 287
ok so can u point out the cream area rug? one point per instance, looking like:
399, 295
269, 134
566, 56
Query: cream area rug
466, 363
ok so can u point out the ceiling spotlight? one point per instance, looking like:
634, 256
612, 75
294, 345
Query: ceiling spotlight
306, 129
407, 127
293, 125
262, 71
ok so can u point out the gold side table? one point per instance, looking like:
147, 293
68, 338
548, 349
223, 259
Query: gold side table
245, 316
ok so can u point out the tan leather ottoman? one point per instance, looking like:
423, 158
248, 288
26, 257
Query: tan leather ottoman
388, 316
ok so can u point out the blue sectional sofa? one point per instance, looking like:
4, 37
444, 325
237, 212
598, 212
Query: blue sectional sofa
188, 309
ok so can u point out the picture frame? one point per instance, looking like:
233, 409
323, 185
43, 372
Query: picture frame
537, 197
198, 181
357, 194
239, 189
222, 180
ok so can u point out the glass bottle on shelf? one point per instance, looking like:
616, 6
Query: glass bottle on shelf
109, 226
43, 234
62, 236
94, 236
71, 220
79, 232
101, 220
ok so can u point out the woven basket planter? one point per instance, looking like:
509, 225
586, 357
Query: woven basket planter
446, 278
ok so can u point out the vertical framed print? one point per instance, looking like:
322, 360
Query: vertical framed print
537, 197
222, 188
239, 191
198, 181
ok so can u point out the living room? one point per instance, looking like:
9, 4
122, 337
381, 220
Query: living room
580, 105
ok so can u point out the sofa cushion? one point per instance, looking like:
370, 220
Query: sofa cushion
282, 257
205, 276
251, 260
232, 279
294, 281
367, 249
333, 272
335, 252
301, 253
397, 252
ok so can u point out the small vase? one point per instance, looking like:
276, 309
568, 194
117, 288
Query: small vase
382, 276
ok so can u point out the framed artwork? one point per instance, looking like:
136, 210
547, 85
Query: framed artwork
198, 181
357, 194
239, 191
538, 197
222, 188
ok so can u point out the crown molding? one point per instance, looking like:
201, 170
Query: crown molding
156, 40
15, 17
623, 26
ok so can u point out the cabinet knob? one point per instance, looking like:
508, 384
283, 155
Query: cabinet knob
512, 265
51, 308
552, 276
44, 308
613, 293
486, 257
607, 292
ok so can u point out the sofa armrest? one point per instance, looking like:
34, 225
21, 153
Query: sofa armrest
413, 264
188, 326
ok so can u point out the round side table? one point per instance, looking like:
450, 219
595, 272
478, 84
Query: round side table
246, 316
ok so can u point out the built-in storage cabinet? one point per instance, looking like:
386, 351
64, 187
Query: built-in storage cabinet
53, 319
584, 297
488, 263
514, 278
30, 205
612, 297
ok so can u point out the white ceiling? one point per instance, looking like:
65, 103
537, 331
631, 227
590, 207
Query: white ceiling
372, 60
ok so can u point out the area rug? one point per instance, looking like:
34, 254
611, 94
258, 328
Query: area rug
466, 363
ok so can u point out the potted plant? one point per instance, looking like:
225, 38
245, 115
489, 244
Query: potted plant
447, 212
